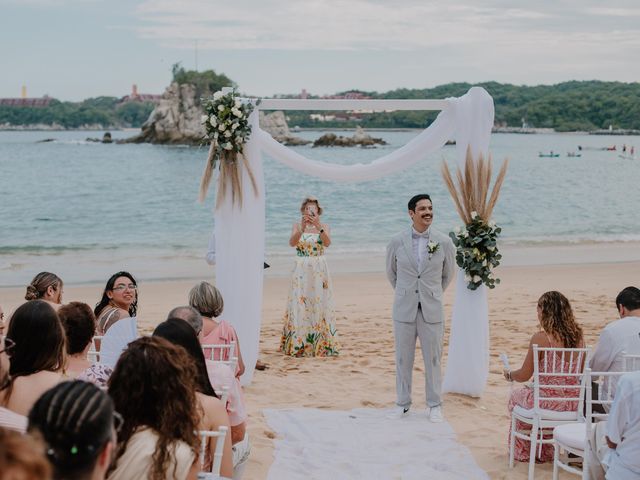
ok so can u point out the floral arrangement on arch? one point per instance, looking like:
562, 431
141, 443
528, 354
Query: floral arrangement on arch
476, 243
227, 127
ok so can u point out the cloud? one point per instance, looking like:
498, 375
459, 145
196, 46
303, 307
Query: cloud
376, 25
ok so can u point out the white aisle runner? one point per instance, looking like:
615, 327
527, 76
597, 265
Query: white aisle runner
364, 444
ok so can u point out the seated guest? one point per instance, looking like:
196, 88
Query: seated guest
214, 415
220, 375
623, 430
207, 300
153, 388
619, 337
8, 419
36, 358
558, 328
45, 286
119, 300
79, 325
76, 421
22, 457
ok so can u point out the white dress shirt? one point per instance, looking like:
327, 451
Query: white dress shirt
623, 428
420, 243
617, 338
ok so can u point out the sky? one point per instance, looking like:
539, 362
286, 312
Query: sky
76, 49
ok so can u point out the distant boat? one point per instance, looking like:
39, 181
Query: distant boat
611, 149
574, 154
548, 155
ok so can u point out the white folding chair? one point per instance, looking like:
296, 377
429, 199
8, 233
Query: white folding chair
631, 362
222, 353
548, 362
205, 436
93, 355
574, 438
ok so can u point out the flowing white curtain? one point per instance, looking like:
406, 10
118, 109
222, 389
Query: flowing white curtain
240, 231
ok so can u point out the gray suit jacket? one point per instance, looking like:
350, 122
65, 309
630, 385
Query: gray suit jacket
425, 286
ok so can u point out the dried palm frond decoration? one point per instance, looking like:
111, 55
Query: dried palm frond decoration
476, 243
227, 128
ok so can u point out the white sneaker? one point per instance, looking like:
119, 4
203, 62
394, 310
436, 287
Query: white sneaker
435, 415
397, 412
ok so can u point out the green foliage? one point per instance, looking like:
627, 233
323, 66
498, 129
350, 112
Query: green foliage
206, 82
103, 111
477, 252
567, 106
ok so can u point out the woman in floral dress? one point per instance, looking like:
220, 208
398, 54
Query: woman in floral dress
559, 329
309, 324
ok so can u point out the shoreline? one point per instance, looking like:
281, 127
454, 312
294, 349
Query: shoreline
94, 267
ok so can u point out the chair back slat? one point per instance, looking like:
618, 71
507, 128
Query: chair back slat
205, 436
558, 376
221, 353
631, 362
605, 401
93, 355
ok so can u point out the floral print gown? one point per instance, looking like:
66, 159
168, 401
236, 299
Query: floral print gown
309, 324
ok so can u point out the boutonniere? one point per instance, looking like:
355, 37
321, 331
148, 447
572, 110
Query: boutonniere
432, 247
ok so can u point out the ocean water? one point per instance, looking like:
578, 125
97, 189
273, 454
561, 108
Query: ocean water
85, 208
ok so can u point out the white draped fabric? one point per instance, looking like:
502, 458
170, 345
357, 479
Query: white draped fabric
240, 231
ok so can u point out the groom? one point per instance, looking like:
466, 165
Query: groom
420, 265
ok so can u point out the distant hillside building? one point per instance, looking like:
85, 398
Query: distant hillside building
140, 97
26, 102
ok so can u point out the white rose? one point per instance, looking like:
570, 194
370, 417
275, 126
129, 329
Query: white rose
221, 108
238, 103
465, 234
218, 95
227, 134
222, 127
476, 279
203, 119
228, 146
490, 276
492, 224
474, 215
236, 112
484, 263
467, 278
491, 249
213, 122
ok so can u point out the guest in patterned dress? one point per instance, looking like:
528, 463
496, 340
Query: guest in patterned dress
559, 329
309, 324
79, 324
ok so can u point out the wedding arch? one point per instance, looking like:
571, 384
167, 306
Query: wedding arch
240, 228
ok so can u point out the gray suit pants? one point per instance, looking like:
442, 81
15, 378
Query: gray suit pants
431, 337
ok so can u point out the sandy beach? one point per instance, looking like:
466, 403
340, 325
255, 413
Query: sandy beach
363, 375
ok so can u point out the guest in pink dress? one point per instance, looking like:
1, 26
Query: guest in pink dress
207, 299
558, 329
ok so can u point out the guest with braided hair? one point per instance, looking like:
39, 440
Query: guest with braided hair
153, 387
45, 286
37, 355
76, 421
